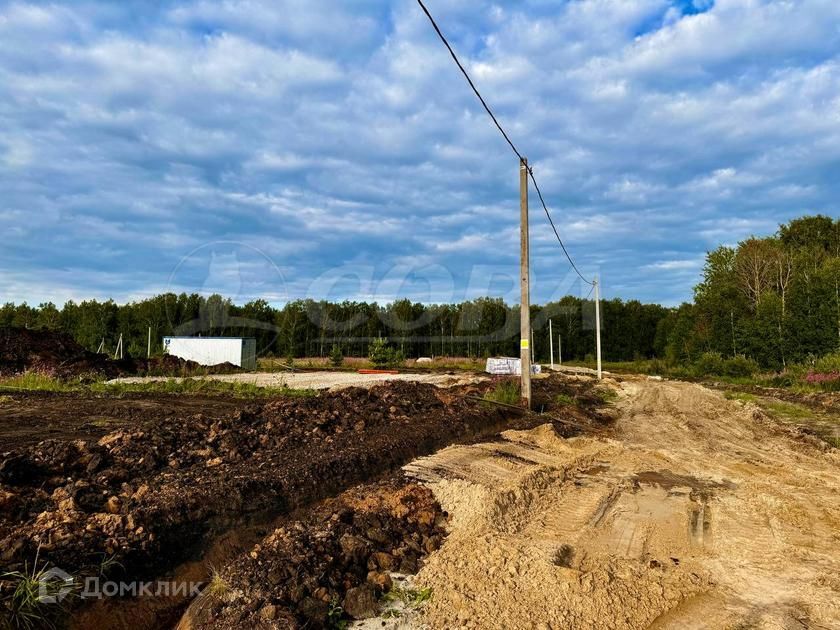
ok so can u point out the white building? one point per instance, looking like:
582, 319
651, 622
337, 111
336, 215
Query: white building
241, 351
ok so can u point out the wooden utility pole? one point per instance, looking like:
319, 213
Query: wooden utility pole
598, 323
524, 278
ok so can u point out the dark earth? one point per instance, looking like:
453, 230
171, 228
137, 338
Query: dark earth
142, 484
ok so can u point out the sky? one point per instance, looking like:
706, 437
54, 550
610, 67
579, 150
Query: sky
330, 149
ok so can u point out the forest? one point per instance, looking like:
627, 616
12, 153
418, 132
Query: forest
774, 300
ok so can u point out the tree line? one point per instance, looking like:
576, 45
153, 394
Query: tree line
775, 300
476, 328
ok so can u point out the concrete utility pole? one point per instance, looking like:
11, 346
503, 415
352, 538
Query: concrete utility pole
551, 343
524, 278
598, 323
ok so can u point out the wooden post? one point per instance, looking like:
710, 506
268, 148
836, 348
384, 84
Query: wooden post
525, 278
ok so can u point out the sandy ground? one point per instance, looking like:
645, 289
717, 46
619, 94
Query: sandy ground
699, 513
320, 380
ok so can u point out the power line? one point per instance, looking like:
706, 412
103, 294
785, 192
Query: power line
467, 77
504, 134
542, 201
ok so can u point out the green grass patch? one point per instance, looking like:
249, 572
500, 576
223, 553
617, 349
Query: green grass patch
605, 395
506, 392
780, 409
218, 587
32, 382
202, 387
33, 599
787, 411
410, 597
564, 399
741, 396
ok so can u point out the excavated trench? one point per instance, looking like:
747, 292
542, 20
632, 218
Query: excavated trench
166, 497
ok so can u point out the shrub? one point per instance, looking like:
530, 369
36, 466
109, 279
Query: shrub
657, 366
739, 366
709, 363
827, 381
336, 355
828, 364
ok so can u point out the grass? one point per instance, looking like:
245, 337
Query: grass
201, 386
218, 586
778, 408
787, 411
564, 399
823, 426
34, 382
741, 396
410, 597
32, 600
31, 381
505, 392
606, 395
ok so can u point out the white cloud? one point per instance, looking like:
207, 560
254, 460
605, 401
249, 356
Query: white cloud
344, 132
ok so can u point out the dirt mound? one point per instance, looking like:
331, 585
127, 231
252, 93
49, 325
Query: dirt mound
53, 354
58, 355
698, 512
169, 365
151, 496
331, 564
145, 494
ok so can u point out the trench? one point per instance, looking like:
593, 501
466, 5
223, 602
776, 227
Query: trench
219, 540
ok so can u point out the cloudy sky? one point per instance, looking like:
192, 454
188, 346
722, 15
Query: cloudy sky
331, 149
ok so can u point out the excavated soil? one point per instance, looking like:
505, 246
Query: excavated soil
27, 418
337, 557
58, 355
697, 512
160, 488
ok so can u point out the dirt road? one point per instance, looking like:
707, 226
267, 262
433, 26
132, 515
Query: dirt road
320, 380
698, 512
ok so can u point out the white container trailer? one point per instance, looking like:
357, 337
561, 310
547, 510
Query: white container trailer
241, 351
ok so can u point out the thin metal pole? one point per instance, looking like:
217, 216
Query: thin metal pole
149, 345
559, 349
551, 343
598, 323
533, 346
525, 277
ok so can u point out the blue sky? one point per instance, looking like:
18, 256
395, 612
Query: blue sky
330, 149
